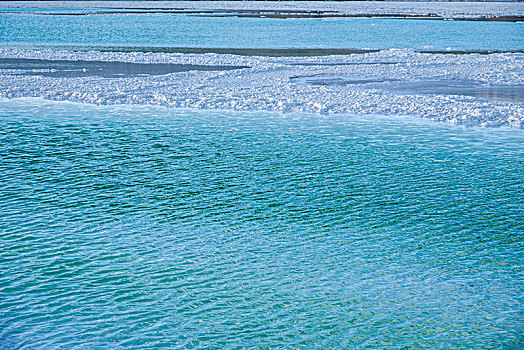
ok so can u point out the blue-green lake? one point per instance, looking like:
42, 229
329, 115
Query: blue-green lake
145, 227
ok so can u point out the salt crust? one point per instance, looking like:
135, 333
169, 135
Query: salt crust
269, 84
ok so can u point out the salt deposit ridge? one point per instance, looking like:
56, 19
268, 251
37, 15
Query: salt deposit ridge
442, 9
391, 82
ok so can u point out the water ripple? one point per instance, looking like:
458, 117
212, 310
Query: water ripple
153, 228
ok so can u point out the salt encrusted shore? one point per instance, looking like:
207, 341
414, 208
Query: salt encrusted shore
441, 9
277, 83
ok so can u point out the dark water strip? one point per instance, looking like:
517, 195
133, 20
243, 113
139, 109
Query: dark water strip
464, 87
341, 63
69, 69
376, 15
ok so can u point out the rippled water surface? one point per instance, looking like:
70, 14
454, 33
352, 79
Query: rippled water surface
135, 227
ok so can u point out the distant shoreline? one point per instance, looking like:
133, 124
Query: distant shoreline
273, 14
507, 11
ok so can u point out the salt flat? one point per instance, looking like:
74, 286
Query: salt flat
386, 82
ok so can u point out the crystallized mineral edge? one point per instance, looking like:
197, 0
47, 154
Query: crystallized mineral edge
472, 89
444, 9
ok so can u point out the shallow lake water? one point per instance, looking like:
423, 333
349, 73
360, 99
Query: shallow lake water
145, 227
175, 30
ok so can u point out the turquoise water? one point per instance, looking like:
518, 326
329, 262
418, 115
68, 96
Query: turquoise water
141, 227
169, 30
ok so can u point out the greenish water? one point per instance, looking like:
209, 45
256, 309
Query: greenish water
142, 227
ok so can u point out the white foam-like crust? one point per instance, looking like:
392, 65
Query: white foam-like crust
444, 9
269, 84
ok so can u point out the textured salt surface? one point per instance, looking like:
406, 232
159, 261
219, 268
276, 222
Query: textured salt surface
270, 84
